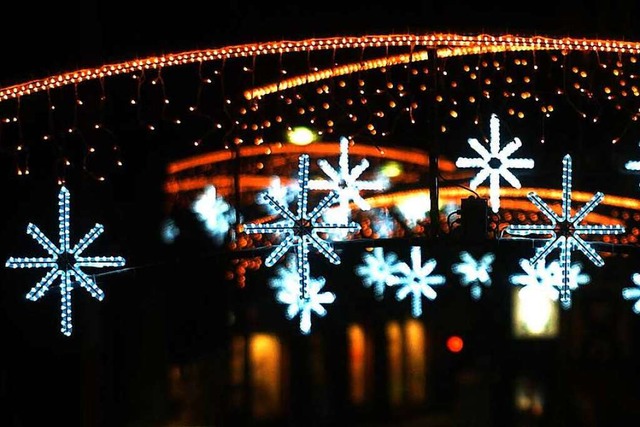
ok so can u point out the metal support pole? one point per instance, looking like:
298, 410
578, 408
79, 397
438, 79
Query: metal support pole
434, 172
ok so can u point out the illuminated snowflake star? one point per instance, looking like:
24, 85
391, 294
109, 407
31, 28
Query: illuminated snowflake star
417, 281
287, 284
216, 214
633, 293
632, 165
494, 163
565, 230
344, 181
474, 272
301, 229
547, 279
378, 270
65, 262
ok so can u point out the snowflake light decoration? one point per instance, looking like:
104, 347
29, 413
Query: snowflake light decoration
474, 272
417, 281
633, 165
301, 230
345, 182
286, 282
378, 270
215, 212
284, 194
65, 262
633, 293
547, 279
494, 163
565, 230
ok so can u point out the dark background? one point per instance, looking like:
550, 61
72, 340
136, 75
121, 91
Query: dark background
44, 374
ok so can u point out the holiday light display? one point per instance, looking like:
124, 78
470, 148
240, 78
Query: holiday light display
301, 230
565, 230
548, 279
344, 181
378, 271
216, 214
632, 165
284, 194
473, 272
495, 163
286, 282
65, 262
417, 280
633, 293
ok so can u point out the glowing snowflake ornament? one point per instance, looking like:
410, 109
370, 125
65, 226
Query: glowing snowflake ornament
65, 262
284, 194
417, 281
216, 214
301, 230
287, 284
542, 279
474, 272
345, 182
633, 293
633, 165
565, 230
494, 163
378, 270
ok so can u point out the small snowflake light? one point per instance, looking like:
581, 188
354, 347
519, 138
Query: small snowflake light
540, 278
378, 270
65, 262
494, 163
301, 230
284, 194
474, 273
287, 285
565, 230
632, 165
633, 293
216, 214
417, 281
345, 182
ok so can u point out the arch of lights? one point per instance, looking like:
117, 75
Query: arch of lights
408, 72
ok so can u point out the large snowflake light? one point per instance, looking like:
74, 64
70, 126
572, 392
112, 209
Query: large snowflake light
417, 280
287, 285
474, 273
633, 293
378, 270
345, 182
216, 214
543, 279
565, 230
65, 262
494, 163
301, 229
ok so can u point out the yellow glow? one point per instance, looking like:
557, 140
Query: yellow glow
416, 360
535, 315
395, 362
301, 136
266, 378
357, 363
391, 169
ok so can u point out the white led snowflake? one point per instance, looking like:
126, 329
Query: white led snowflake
565, 230
378, 270
287, 285
494, 163
345, 182
633, 293
301, 230
547, 279
65, 262
417, 281
632, 165
474, 272
216, 214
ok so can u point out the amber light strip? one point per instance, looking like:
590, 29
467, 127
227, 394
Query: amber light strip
434, 40
405, 155
301, 80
